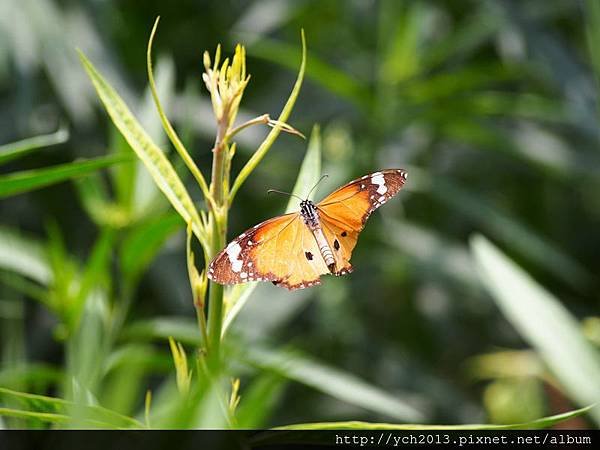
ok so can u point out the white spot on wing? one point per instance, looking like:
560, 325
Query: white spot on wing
233, 252
377, 178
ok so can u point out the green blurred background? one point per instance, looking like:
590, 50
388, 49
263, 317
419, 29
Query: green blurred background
491, 106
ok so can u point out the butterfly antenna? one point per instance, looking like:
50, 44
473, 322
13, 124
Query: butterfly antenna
270, 191
317, 183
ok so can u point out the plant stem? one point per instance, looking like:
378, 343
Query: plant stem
219, 227
215, 309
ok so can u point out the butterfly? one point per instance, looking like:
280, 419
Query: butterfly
294, 250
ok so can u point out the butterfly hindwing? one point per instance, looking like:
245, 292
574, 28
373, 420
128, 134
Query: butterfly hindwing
281, 250
342, 241
301, 265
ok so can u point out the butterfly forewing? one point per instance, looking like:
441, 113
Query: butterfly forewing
352, 204
235, 263
281, 250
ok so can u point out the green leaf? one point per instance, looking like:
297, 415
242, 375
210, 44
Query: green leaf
18, 149
138, 355
433, 253
44, 417
84, 367
592, 22
310, 171
448, 84
545, 422
95, 199
309, 175
318, 70
540, 150
143, 242
476, 30
144, 194
511, 231
156, 162
182, 329
125, 372
331, 381
30, 373
235, 298
173, 136
542, 321
259, 400
123, 177
96, 271
24, 255
52, 409
20, 182
24, 286
401, 34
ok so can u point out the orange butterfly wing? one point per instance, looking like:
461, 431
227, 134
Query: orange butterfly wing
281, 250
343, 213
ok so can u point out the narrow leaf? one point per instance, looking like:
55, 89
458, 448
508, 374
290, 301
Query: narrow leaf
185, 156
511, 231
182, 329
37, 374
334, 382
310, 171
94, 273
545, 422
592, 25
156, 162
58, 408
320, 71
24, 255
268, 142
18, 149
143, 242
28, 180
542, 321
44, 417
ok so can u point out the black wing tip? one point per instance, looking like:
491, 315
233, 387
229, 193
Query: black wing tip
403, 174
344, 271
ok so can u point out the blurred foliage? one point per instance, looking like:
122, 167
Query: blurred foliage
491, 106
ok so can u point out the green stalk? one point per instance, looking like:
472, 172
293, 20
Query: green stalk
218, 235
222, 196
215, 303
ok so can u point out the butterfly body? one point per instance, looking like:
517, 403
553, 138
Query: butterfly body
295, 249
310, 216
